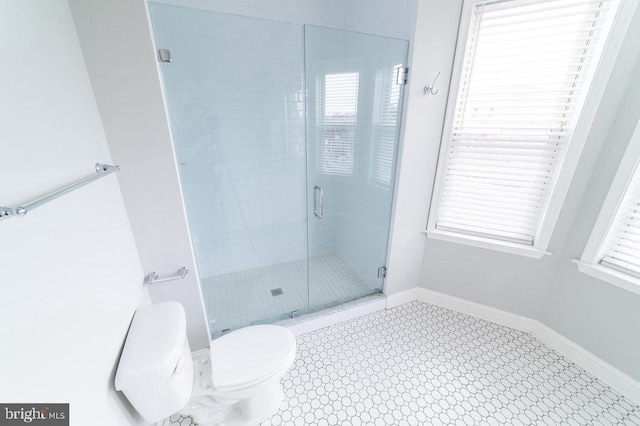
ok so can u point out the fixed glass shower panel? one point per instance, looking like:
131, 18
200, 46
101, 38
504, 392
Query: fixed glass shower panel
234, 93
354, 100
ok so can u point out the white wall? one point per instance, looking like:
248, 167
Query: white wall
390, 18
328, 13
433, 50
70, 277
118, 49
597, 316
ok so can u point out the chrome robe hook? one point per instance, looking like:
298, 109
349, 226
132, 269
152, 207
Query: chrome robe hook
430, 88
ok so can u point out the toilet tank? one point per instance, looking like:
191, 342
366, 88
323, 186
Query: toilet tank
155, 371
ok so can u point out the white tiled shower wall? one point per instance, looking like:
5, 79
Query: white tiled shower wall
391, 19
330, 13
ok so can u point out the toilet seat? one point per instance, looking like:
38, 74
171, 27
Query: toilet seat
251, 355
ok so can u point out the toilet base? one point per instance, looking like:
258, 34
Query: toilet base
208, 410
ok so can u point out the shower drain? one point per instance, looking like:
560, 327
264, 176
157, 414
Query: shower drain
277, 292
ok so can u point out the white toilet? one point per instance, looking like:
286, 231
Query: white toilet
236, 382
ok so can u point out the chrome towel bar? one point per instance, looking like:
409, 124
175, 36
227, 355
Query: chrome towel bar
154, 277
101, 171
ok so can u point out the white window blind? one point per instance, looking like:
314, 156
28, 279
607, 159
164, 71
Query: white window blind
338, 122
526, 70
387, 118
621, 249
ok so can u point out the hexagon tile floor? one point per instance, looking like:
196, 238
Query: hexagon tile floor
419, 364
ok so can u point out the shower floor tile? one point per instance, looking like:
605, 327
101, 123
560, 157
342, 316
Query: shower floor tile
419, 364
243, 298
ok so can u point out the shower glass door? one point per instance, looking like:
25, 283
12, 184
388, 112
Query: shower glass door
354, 100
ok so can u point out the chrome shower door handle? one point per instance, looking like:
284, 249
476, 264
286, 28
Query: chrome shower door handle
317, 212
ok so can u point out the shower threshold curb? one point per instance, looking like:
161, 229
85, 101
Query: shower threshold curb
336, 314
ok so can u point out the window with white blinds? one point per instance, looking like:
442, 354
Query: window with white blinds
621, 249
527, 67
386, 116
338, 123
612, 253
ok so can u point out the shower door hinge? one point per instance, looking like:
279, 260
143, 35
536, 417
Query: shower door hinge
403, 75
382, 272
164, 55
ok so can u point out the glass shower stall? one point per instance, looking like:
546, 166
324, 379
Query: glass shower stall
286, 138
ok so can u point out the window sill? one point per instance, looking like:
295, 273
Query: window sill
487, 243
611, 276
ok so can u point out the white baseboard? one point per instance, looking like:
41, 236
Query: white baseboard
610, 375
477, 310
402, 297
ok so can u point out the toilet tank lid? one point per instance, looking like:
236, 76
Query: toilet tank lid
154, 343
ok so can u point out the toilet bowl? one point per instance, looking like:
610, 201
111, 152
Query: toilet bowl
235, 382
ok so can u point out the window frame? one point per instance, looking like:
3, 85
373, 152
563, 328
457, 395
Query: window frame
589, 263
590, 105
